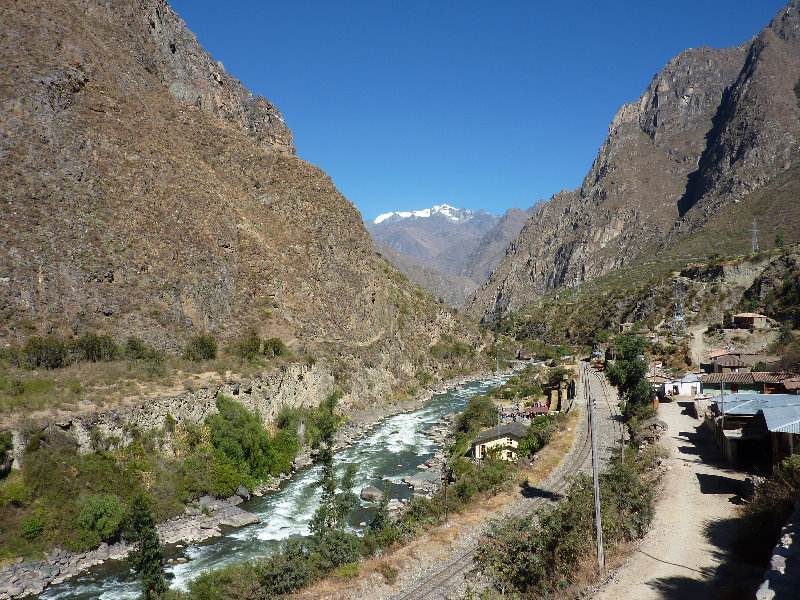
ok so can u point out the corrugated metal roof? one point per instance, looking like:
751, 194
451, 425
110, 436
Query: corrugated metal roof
749, 315
751, 404
783, 419
727, 378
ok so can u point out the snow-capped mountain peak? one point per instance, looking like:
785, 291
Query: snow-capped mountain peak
450, 212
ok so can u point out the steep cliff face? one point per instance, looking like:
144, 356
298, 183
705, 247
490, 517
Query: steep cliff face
712, 126
756, 129
146, 192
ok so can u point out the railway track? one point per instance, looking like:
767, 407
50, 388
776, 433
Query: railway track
446, 576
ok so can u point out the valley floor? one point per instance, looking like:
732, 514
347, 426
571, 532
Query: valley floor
688, 551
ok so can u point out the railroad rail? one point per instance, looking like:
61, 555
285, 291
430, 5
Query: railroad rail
442, 579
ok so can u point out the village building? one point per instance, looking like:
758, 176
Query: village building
750, 383
749, 320
741, 362
499, 442
757, 430
688, 385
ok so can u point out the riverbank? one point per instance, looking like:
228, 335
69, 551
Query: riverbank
207, 518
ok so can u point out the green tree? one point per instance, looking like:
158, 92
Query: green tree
779, 239
629, 372
147, 557
333, 508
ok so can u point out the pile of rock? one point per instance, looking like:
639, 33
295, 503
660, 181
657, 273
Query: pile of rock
650, 431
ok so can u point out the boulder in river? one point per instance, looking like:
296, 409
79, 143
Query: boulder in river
371, 494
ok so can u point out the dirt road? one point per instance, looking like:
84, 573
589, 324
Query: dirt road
687, 553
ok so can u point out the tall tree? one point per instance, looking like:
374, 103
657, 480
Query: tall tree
629, 372
147, 557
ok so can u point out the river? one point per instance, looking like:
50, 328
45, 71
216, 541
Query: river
390, 452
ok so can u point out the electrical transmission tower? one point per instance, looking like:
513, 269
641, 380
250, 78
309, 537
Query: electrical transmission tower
755, 237
678, 316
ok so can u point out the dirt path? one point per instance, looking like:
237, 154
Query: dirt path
687, 553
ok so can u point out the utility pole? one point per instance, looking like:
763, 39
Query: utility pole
601, 561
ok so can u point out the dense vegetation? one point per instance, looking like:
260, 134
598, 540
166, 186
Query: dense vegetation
61, 497
537, 556
331, 548
629, 373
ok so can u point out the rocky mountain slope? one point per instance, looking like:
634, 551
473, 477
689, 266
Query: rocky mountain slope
452, 289
712, 127
146, 192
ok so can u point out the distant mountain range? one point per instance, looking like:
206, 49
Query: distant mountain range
448, 250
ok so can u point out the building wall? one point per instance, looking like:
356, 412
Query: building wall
484, 449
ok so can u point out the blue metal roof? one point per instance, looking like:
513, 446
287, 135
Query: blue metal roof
785, 419
781, 411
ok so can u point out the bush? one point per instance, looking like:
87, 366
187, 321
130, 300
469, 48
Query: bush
95, 348
286, 571
100, 518
30, 528
201, 347
248, 347
480, 412
334, 549
45, 352
275, 347
538, 557
540, 432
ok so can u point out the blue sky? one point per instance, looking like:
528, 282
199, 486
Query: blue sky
475, 104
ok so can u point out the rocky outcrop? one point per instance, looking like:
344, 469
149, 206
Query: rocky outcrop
165, 47
294, 386
712, 126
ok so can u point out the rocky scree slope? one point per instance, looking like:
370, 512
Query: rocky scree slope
712, 126
146, 192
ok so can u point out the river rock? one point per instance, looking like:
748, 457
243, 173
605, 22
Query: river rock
243, 493
371, 494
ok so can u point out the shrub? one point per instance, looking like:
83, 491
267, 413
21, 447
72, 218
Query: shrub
286, 571
275, 347
389, 572
537, 557
45, 352
6, 447
248, 347
94, 348
100, 518
30, 528
480, 412
334, 549
201, 347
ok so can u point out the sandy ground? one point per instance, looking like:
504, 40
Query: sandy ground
687, 552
